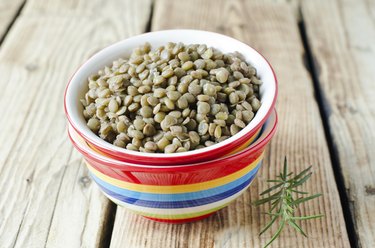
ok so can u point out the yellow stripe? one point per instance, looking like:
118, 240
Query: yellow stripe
87, 144
173, 189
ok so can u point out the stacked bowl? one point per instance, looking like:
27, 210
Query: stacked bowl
177, 187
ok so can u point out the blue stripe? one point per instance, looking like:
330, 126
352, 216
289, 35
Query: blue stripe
174, 197
260, 133
181, 204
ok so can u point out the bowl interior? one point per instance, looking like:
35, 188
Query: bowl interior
78, 84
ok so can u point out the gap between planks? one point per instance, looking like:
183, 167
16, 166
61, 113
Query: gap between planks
322, 104
11, 21
342, 37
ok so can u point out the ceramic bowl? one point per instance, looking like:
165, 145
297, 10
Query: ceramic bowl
180, 193
78, 86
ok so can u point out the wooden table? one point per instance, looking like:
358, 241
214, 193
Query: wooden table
323, 52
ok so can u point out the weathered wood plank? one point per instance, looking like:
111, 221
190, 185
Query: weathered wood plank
343, 46
271, 29
8, 12
46, 199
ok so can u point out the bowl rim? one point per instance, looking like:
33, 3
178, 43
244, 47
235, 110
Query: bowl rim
95, 140
110, 162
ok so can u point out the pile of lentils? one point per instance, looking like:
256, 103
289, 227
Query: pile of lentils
173, 99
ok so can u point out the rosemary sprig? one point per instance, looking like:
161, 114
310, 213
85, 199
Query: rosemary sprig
284, 202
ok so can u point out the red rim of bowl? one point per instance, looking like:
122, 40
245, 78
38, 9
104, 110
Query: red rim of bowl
125, 165
183, 156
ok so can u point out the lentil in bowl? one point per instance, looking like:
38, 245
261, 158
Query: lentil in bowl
175, 98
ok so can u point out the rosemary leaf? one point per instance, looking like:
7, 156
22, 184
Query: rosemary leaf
284, 200
303, 199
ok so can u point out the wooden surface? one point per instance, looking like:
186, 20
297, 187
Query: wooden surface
302, 141
343, 45
8, 12
46, 196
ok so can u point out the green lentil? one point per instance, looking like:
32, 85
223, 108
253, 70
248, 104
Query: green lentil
162, 143
133, 107
255, 104
209, 143
128, 100
119, 143
182, 103
221, 116
239, 123
144, 89
152, 100
222, 75
203, 98
183, 56
187, 65
175, 114
137, 98
194, 138
121, 127
234, 129
93, 124
149, 130
169, 103
199, 64
173, 95
247, 116
160, 92
137, 142
189, 97
195, 89
132, 147
233, 98
167, 73
158, 80
203, 108
139, 124
150, 145
181, 149
146, 111
170, 148
202, 128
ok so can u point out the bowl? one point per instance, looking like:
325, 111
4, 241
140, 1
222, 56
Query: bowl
77, 86
179, 193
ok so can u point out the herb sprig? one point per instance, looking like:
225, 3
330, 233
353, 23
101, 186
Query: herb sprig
284, 200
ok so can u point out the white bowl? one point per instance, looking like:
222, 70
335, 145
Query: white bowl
77, 87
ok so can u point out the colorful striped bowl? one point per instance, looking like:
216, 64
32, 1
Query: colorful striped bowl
77, 87
179, 193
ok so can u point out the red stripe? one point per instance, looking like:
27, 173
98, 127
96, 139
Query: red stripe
180, 221
172, 177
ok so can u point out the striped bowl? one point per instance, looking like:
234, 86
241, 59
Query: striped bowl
179, 193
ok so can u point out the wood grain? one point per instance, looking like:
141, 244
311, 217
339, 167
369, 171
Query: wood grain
46, 197
343, 46
8, 12
271, 29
